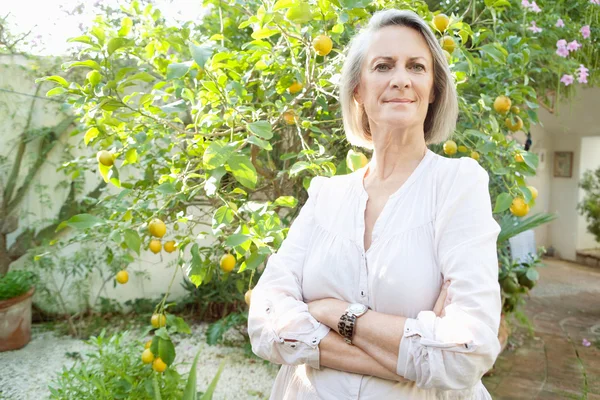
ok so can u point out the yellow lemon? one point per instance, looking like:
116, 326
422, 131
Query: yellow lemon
158, 320
475, 155
450, 147
147, 356
534, 192
516, 126
157, 228
290, 117
248, 296
448, 56
518, 207
519, 157
122, 277
323, 45
105, 158
441, 22
155, 246
515, 110
295, 87
148, 344
227, 262
462, 149
169, 246
448, 44
502, 104
158, 365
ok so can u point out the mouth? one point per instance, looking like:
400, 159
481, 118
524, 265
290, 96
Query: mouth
400, 101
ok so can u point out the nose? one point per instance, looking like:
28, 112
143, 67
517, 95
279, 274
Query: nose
400, 79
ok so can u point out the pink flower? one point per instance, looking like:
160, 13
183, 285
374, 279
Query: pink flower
585, 31
535, 8
560, 23
561, 43
567, 79
585, 342
562, 51
595, 2
573, 46
583, 74
525, 3
534, 28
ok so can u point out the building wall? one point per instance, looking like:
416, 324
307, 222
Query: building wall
590, 160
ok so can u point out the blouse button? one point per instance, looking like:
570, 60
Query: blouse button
268, 309
362, 293
293, 345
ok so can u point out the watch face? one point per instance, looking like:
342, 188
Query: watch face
357, 308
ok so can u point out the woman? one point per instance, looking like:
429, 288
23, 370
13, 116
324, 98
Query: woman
410, 236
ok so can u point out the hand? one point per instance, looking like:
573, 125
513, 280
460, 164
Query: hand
443, 300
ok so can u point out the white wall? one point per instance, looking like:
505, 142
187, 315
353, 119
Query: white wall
590, 160
153, 271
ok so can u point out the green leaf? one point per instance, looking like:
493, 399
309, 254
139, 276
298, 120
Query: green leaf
177, 70
286, 201
81, 39
532, 274
54, 78
56, 91
115, 44
261, 128
104, 171
264, 33
237, 239
299, 13
90, 135
201, 54
126, 24
263, 144
283, 4
156, 387
177, 324
191, 391
88, 64
223, 217
217, 154
354, 3
166, 351
131, 156
208, 395
166, 188
84, 221
494, 51
531, 159
503, 202
98, 31
243, 170
298, 167
254, 260
132, 240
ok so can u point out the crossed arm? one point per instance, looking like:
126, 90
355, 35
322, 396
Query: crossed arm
375, 350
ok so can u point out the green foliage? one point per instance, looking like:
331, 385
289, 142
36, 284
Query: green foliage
15, 283
113, 369
590, 205
517, 278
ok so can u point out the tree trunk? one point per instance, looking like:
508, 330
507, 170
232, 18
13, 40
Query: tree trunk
4, 257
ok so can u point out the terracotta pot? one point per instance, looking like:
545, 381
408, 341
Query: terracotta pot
15, 321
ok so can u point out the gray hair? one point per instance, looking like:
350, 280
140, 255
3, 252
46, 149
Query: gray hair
442, 113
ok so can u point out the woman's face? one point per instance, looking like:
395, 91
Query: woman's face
396, 84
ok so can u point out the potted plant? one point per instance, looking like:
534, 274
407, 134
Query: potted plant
16, 291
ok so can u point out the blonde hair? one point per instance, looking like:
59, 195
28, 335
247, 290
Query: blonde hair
442, 113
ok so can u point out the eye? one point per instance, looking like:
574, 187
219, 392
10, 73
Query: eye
386, 67
421, 66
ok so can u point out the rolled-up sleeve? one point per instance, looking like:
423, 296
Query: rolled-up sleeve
454, 351
278, 313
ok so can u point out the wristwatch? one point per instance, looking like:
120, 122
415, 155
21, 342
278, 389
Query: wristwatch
348, 320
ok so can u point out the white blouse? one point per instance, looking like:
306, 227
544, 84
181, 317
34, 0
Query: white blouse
438, 226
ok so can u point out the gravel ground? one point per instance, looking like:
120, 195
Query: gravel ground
26, 373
